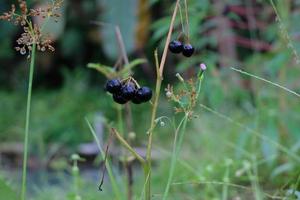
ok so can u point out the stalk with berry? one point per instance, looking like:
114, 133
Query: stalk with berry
182, 44
124, 88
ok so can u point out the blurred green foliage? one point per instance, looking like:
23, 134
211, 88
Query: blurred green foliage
65, 91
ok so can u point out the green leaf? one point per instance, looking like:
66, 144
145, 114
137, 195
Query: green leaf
124, 72
107, 71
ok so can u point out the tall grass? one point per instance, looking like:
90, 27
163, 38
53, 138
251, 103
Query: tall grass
115, 187
27, 121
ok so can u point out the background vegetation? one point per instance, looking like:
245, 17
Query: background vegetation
245, 142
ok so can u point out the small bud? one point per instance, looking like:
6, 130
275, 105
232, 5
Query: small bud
75, 157
132, 135
202, 66
162, 123
202, 69
179, 77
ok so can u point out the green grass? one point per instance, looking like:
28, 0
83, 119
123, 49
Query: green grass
201, 171
242, 143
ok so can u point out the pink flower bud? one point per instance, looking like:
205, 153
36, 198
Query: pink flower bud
202, 66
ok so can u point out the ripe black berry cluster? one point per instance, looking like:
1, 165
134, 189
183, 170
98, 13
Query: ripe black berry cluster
176, 46
128, 90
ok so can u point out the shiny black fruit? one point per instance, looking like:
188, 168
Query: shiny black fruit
118, 98
136, 100
176, 46
188, 50
113, 86
128, 91
144, 94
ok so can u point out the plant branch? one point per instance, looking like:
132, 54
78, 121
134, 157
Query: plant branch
159, 78
107, 164
164, 56
29, 92
127, 146
179, 133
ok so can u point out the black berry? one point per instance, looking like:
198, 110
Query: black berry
188, 50
176, 46
113, 86
136, 100
128, 91
144, 94
118, 98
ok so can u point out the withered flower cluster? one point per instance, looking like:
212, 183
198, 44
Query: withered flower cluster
185, 98
32, 32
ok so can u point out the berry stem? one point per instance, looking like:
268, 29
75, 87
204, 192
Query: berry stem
28, 106
181, 21
187, 20
120, 119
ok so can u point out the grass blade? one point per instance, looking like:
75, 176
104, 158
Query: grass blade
267, 81
109, 170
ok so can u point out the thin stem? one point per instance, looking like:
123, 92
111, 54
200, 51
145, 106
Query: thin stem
120, 118
107, 164
187, 20
25, 155
165, 52
258, 134
225, 186
267, 81
121, 44
127, 146
152, 126
159, 71
223, 183
176, 149
181, 19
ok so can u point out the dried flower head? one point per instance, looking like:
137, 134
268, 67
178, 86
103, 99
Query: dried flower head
32, 33
187, 96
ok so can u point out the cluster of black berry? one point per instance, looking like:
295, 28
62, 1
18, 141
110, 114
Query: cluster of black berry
178, 47
128, 90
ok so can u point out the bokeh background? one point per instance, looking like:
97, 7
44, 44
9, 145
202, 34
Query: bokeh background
252, 35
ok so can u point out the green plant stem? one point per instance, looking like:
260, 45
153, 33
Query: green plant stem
127, 146
147, 169
107, 164
120, 119
225, 186
25, 155
176, 149
187, 20
75, 173
159, 78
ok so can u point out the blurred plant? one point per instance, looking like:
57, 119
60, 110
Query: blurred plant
32, 35
30, 41
186, 99
76, 176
